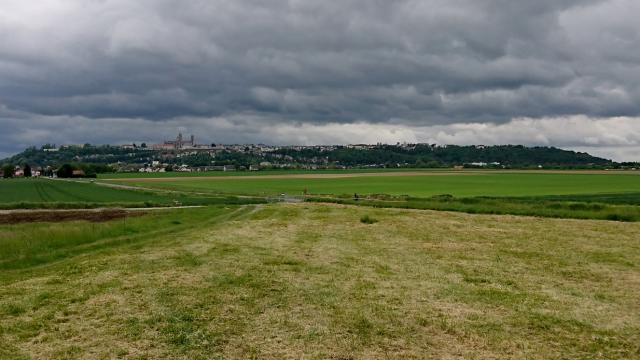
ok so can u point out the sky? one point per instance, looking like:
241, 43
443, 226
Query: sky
562, 73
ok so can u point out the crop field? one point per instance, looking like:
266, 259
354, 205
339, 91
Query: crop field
164, 175
44, 190
26, 193
317, 281
461, 184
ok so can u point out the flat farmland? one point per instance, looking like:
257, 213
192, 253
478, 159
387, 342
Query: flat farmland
46, 190
418, 184
47, 193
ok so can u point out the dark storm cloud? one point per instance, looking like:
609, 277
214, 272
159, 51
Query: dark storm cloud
277, 62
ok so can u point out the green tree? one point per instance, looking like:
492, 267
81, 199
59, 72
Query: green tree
65, 171
7, 171
27, 170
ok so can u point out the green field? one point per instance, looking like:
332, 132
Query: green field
136, 175
313, 281
44, 193
463, 184
45, 190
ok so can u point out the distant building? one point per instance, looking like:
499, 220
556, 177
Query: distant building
178, 143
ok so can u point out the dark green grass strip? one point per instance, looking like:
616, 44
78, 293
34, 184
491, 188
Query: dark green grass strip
501, 206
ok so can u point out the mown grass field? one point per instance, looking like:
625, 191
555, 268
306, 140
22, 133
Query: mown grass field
313, 281
463, 184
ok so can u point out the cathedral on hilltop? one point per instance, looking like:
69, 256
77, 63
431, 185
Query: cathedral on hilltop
178, 143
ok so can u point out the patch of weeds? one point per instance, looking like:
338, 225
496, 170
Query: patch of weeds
282, 261
183, 330
423, 321
69, 352
308, 237
313, 334
383, 269
470, 200
8, 351
549, 322
133, 328
609, 258
361, 326
620, 217
447, 325
13, 309
368, 220
55, 280
224, 249
246, 280
187, 259
476, 280
42, 299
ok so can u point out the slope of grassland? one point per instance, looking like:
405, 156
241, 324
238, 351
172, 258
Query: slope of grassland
461, 184
313, 281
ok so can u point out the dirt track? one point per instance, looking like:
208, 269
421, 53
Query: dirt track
373, 174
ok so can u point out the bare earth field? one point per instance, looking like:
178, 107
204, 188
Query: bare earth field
312, 281
97, 215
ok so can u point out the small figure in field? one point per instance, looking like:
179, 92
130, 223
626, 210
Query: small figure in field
356, 197
305, 192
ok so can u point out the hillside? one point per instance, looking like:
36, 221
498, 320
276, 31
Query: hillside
418, 155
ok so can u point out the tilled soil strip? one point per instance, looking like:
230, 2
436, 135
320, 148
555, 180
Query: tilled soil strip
65, 215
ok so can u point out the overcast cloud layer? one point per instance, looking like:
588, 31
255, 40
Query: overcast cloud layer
547, 72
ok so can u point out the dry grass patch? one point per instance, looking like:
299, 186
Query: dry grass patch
312, 281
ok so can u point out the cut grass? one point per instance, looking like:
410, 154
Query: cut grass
312, 281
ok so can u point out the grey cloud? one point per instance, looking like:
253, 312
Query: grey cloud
408, 62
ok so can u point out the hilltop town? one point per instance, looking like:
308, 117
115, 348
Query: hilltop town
185, 154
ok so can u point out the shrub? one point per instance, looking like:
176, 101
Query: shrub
368, 220
619, 217
65, 171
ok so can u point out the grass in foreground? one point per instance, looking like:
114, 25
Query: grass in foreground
312, 281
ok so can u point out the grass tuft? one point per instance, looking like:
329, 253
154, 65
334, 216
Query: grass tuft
366, 219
